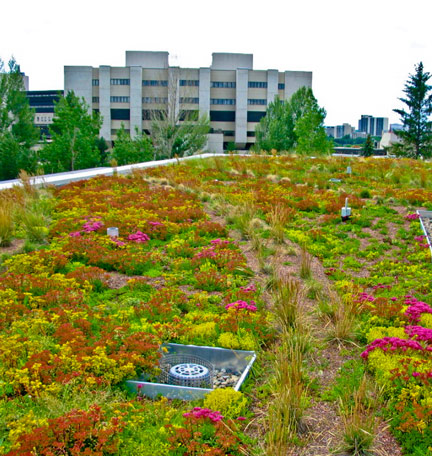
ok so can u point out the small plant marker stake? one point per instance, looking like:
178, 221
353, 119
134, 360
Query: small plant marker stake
113, 231
346, 211
349, 171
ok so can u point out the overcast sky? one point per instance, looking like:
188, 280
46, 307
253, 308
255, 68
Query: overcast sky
360, 52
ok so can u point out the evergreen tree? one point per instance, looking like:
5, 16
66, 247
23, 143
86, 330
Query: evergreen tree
417, 133
368, 147
74, 134
127, 150
17, 132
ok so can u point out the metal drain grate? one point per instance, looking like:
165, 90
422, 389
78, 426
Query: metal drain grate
186, 370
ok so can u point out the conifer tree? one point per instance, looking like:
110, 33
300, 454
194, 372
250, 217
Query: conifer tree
417, 133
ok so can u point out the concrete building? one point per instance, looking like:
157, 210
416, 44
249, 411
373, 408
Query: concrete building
43, 102
374, 126
230, 92
339, 131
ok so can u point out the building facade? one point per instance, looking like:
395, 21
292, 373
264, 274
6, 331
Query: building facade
230, 92
374, 126
43, 103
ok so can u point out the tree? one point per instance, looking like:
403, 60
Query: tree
17, 132
417, 133
127, 150
298, 124
276, 128
103, 147
368, 147
175, 131
74, 134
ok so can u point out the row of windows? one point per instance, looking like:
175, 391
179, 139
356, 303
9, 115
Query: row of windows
257, 85
120, 82
95, 99
190, 100
223, 84
154, 83
192, 83
222, 101
43, 119
257, 101
189, 82
215, 116
163, 100
119, 99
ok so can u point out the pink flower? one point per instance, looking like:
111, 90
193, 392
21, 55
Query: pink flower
75, 234
139, 237
198, 412
241, 418
242, 305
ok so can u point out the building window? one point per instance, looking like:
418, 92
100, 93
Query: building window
154, 83
255, 116
222, 116
228, 133
281, 86
160, 100
119, 99
120, 82
257, 85
153, 114
189, 100
95, 99
257, 101
223, 84
189, 82
120, 114
222, 101
250, 134
95, 82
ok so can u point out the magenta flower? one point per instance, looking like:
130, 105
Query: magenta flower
89, 226
242, 305
416, 308
75, 234
139, 237
198, 412
391, 343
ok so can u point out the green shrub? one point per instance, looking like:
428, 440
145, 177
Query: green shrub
227, 401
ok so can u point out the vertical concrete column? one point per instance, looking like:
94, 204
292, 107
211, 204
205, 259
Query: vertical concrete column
204, 91
104, 100
296, 79
272, 85
79, 80
241, 106
135, 100
173, 92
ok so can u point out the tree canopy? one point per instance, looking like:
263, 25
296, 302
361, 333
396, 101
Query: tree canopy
17, 133
129, 150
296, 124
417, 133
182, 133
74, 134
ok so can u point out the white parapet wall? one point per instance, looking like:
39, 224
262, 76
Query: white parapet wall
73, 176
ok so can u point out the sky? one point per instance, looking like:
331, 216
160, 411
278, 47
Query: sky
361, 53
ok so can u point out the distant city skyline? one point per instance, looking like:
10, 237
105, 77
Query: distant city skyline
360, 57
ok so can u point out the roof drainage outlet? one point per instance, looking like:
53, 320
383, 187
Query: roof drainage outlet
193, 372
